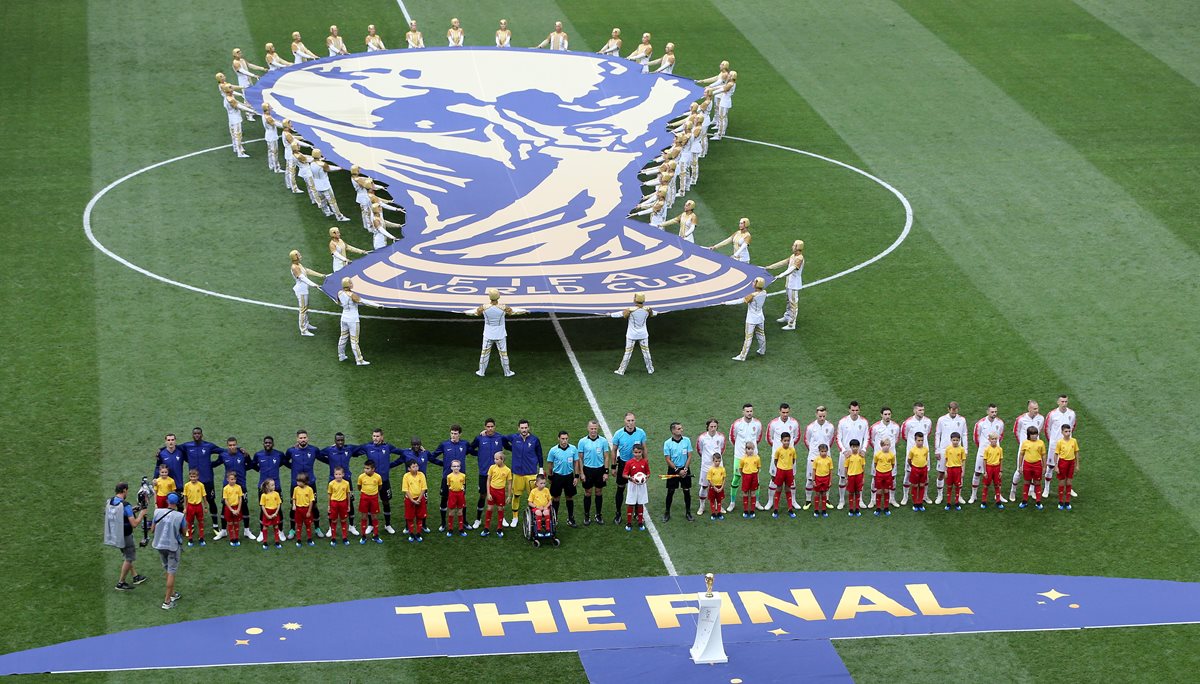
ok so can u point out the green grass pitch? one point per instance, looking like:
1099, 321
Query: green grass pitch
1050, 152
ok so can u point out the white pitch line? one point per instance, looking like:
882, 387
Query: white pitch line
87, 229
591, 398
908, 211
407, 16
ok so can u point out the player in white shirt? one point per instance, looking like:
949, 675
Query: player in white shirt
754, 319
917, 422
818, 432
710, 443
1021, 425
851, 426
1055, 421
350, 300
883, 429
743, 431
494, 334
984, 427
946, 425
636, 333
778, 425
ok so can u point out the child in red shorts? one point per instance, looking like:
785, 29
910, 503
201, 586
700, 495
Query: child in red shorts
751, 464
822, 468
193, 511
302, 505
271, 519
164, 484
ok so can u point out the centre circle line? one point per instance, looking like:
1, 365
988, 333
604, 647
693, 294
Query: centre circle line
91, 236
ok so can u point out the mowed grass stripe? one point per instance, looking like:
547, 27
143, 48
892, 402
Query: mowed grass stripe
50, 407
972, 157
171, 359
1165, 28
1129, 114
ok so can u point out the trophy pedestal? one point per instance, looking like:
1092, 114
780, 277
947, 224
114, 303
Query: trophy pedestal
708, 648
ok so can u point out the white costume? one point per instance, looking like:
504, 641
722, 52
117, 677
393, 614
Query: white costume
375, 43
304, 169
379, 236
234, 115
636, 333
613, 48
337, 46
350, 328
755, 325
302, 55
289, 166
795, 282
364, 204
245, 80
300, 288
275, 62
687, 227
503, 39
339, 257
271, 133
495, 335
415, 41
454, 40
666, 67
741, 247
320, 182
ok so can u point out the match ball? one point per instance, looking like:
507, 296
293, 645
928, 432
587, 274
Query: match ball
639, 478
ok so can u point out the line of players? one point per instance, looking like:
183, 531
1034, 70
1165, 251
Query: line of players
595, 460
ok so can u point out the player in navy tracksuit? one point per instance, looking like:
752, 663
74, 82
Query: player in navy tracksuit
485, 446
267, 462
202, 456
381, 452
235, 460
453, 449
173, 457
336, 456
300, 459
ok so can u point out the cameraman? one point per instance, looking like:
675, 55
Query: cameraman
132, 518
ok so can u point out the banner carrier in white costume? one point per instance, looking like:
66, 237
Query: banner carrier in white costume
494, 334
350, 322
636, 333
300, 274
754, 319
795, 282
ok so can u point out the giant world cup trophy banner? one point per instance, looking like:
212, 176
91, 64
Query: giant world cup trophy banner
517, 170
